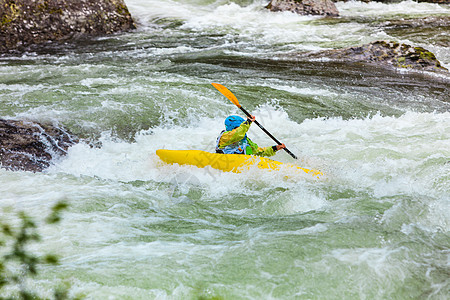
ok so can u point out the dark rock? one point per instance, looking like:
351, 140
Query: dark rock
305, 7
29, 22
389, 54
30, 146
398, 1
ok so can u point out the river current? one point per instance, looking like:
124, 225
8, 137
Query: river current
375, 227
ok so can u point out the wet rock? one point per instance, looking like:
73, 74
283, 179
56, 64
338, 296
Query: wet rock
29, 22
398, 1
428, 1
30, 146
305, 7
389, 54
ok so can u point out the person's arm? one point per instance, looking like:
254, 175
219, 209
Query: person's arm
264, 151
237, 134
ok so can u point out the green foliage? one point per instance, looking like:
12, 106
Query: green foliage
55, 215
18, 264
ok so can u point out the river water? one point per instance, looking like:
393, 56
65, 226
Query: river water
375, 227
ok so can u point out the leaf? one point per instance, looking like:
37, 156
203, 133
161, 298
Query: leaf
51, 259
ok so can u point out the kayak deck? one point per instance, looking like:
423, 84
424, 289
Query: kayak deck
236, 163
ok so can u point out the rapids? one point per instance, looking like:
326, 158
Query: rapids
376, 227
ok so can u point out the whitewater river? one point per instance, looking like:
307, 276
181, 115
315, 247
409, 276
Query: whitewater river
375, 227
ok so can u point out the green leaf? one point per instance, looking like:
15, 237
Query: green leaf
51, 259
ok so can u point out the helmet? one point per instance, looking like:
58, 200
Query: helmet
233, 122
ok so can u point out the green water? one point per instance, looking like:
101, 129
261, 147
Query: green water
375, 227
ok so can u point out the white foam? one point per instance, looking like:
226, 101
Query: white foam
377, 9
377, 259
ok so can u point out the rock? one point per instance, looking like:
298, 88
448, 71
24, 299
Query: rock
30, 146
305, 7
435, 1
389, 54
398, 1
29, 22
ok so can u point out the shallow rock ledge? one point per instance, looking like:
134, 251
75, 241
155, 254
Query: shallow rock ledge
305, 7
398, 1
388, 53
29, 22
30, 146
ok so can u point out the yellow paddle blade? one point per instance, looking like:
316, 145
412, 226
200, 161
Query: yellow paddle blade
226, 92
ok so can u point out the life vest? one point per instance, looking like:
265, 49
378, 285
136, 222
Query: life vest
238, 147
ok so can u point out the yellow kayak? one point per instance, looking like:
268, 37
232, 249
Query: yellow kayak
236, 163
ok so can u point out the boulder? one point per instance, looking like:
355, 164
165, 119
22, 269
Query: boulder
305, 7
389, 54
30, 146
435, 1
398, 1
29, 22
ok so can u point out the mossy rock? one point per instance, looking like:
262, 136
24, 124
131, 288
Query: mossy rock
388, 53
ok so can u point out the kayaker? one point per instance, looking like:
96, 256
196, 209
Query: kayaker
234, 140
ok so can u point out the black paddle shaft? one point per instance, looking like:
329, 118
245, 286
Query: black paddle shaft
268, 133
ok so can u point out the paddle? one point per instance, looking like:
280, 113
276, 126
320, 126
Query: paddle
226, 92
